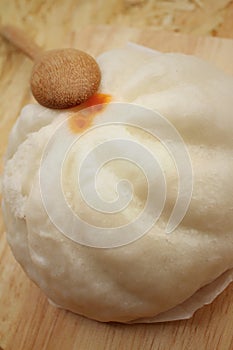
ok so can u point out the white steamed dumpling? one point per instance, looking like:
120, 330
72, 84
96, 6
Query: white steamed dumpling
160, 270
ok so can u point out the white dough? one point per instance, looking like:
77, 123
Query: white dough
158, 271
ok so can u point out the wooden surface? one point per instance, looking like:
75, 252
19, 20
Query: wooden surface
27, 321
44, 18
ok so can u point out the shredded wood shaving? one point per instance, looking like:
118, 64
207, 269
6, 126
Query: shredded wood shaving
200, 17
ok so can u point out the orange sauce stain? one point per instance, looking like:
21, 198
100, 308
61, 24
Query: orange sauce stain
82, 119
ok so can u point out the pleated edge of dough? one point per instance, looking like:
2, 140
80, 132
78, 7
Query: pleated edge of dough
186, 310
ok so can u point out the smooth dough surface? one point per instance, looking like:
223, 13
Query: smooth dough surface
158, 271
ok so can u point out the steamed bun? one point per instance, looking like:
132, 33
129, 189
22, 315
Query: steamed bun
158, 271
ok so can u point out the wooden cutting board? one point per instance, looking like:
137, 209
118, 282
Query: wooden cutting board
27, 321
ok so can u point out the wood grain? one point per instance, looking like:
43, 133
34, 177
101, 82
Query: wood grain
27, 321
46, 18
